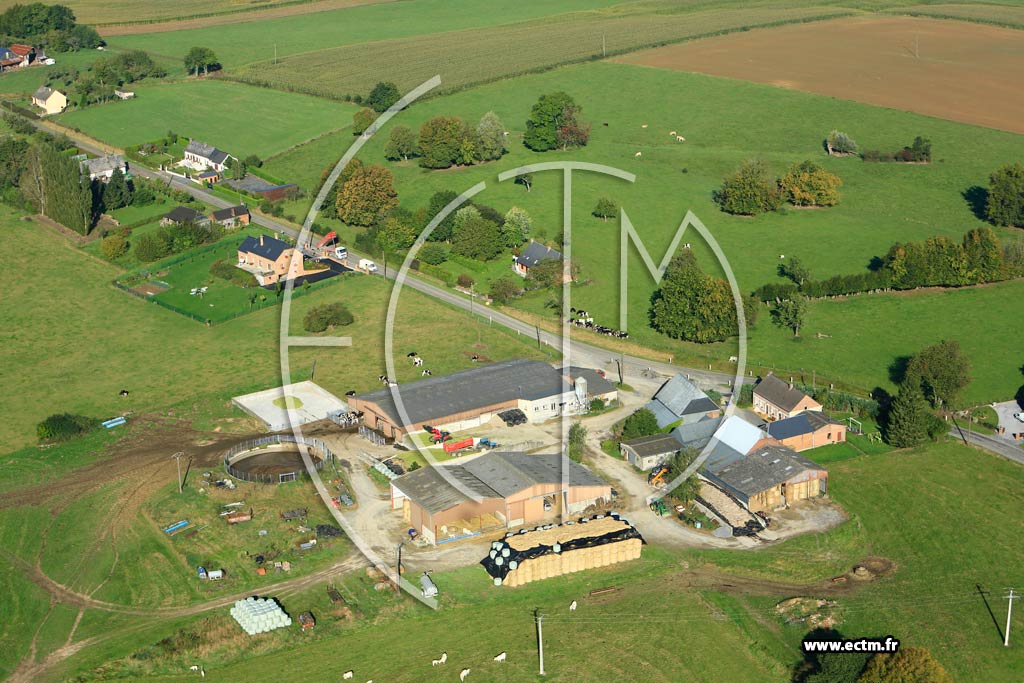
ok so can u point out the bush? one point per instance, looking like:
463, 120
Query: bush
640, 423
323, 317
749, 191
505, 289
465, 281
226, 270
433, 253
64, 426
440, 273
149, 248
808, 184
841, 143
114, 247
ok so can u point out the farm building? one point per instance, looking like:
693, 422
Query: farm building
696, 435
49, 100
284, 407
769, 478
777, 400
202, 156
534, 254
16, 56
592, 383
806, 430
647, 452
103, 168
472, 397
560, 549
680, 401
231, 217
269, 259
492, 491
184, 214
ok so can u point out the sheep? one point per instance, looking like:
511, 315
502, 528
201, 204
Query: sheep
463, 674
194, 668
638, 154
500, 658
672, 132
680, 138
572, 606
733, 359
643, 125
506, 133
782, 256
441, 660
444, 657
348, 674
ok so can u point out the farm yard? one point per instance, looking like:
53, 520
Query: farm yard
976, 64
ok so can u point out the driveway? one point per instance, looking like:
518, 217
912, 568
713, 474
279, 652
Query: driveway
1005, 411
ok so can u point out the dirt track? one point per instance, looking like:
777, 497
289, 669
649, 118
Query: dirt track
948, 69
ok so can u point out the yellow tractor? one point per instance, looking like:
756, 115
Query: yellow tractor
658, 476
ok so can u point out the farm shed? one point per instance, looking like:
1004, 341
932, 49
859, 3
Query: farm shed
777, 400
772, 477
807, 430
492, 491
680, 401
559, 549
293, 404
647, 452
470, 398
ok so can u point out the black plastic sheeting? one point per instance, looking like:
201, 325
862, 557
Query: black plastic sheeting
502, 570
327, 531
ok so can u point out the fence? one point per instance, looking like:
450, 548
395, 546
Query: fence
231, 456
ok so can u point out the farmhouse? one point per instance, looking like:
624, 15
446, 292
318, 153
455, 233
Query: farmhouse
472, 397
534, 254
771, 477
495, 490
202, 156
647, 452
231, 217
102, 168
806, 430
184, 214
49, 100
562, 549
16, 56
777, 400
680, 401
269, 259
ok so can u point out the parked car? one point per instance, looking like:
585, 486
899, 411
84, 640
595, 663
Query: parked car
1019, 417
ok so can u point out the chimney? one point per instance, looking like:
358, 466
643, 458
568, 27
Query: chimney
791, 384
261, 244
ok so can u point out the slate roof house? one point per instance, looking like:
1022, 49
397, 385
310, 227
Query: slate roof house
102, 168
807, 430
534, 254
680, 400
202, 156
232, 216
269, 259
493, 491
184, 214
777, 400
470, 398
49, 100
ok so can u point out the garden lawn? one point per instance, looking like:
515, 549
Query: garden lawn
239, 119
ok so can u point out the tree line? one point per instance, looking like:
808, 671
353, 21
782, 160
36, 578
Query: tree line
752, 189
46, 26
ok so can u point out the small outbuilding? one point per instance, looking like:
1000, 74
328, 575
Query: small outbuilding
647, 452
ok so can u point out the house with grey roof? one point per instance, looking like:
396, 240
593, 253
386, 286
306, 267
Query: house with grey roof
809, 429
680, 401
49, 100
534, 254
453, 501
103, 168
470, 398
647, 452
201, 156
775, 399
184, 214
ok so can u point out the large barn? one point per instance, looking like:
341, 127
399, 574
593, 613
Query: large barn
493, 491
771, 477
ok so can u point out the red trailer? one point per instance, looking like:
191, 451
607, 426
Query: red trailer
453, 446
331, 236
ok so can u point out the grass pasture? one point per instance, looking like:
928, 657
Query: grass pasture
23, 82
237, 118
976, 64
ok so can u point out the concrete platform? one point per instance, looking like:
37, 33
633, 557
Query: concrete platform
282, 408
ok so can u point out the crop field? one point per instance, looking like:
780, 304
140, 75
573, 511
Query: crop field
1009, 14
976, 64
724, 121
255, 41
163, 357
237, 118
481, 55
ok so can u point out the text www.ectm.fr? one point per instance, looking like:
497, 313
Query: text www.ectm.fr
886, 644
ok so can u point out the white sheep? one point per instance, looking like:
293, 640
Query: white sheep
463, 674
506, 133
680, 138
441, 660
672, 132
500, 658
194, 668
348, 674
782, 256
643, 125
638, 154
572, 606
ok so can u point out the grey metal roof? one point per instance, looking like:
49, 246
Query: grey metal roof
721, 455
184, 214
469, 390
103, 164
777, 392
265, 246
663, 415
536, 252
697, 434
494, 475
656, 444
763, 469
201, 149
596, 384
679, 397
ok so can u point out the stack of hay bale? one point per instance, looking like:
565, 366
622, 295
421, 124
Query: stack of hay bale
259, 615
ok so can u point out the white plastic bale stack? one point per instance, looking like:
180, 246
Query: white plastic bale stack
259, 615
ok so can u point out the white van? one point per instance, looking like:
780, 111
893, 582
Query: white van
367, 265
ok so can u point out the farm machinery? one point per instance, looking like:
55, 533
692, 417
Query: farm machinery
437, 435
658, 476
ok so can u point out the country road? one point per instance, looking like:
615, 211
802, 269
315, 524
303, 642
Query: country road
994, 444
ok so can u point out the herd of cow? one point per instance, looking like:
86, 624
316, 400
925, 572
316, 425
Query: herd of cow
581, 318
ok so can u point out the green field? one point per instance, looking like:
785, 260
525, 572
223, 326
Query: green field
23, 82
163, 357
239, 119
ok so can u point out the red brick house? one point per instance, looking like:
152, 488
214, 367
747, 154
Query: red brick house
270, 259
777, 400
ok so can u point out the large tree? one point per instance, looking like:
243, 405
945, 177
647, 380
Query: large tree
1005, 204
909, 665
516, 228
605, 209
641, 423
441, 141
362, 120
367, 196
551, 112
691, 305
117, 192
201, 59
477, 238
808, 184
748, 191
577, 441
401, 144
54, 184
790, 314
443, 231
941, 371
907, 419
396, 234
383, 95
490, 137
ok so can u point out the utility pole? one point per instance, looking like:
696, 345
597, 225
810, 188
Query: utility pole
400, 561
604, 51
177, 461
313, 370
1009, 610
537, 327
540, 639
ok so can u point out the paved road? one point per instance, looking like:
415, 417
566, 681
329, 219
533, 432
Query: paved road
1007, 449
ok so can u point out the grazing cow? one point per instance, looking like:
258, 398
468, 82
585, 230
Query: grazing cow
733, 359
425, 373
680, 138
194, 668
123, 393
572, 606
202, 672
411, 355
506, 133
604, 123
500, 658
638, 154
782, 256
463, 674
418, 361
347, 674
350, 393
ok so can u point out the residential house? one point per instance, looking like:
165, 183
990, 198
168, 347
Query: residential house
49, 100
184, 214
231, 217
680, 401
202, 156
534, 254
493, 491
647, 452
16, 56
775, 399
102, 168
807, 430
270, 260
